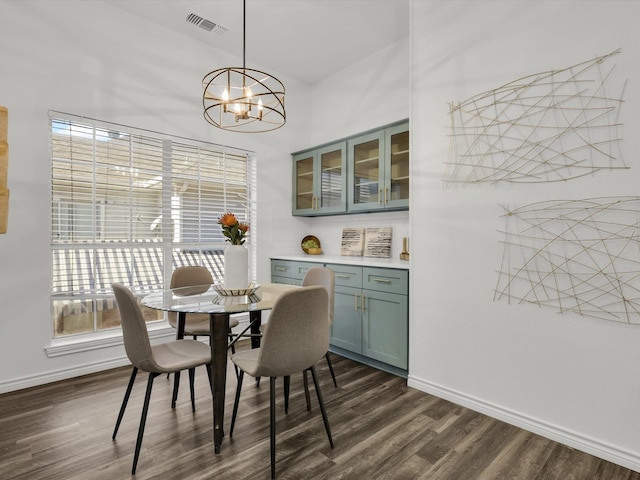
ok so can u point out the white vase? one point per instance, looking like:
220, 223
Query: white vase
236, 267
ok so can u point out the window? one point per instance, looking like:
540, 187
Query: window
129, 205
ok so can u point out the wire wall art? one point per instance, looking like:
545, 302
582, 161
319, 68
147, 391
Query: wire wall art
580, 256
547, 127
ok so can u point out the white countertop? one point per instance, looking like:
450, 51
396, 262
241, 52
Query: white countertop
346, 260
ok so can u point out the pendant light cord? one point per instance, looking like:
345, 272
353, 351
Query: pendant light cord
244, 33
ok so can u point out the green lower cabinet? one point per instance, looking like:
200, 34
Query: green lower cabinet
346, 331
385, 328
371, 312
371, 316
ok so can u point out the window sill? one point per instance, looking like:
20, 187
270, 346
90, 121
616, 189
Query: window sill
90, 342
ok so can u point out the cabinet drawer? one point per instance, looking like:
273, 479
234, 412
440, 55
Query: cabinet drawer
285, 280
386, 280
290, 269
346, 275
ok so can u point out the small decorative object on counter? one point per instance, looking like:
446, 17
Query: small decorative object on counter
404, 255
311, 245
236, 256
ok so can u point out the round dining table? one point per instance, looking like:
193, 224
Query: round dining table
220, 305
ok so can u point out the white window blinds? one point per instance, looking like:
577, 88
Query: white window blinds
129, 206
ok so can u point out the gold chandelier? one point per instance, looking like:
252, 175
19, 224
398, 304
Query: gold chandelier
242, 99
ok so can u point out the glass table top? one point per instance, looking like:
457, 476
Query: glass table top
206, 299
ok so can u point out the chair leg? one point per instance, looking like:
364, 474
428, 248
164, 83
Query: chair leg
324, 413
125, 400
210, 375
233, 350
192, 376
306, 390
287, 389
235, 403
143, 420
176, 385
272, 423
333, 375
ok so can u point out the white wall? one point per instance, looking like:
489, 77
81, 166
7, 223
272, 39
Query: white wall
568, 377
56, 55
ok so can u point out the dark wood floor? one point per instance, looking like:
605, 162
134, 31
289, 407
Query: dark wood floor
382, 430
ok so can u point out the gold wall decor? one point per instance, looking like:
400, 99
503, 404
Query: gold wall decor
580, 256
546, 127
4, 168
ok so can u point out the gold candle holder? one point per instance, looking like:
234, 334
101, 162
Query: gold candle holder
404, 255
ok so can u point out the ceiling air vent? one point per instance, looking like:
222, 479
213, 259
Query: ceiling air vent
207, 25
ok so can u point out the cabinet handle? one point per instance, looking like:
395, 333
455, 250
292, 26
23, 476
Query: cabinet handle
280, 269
362, 299
381, 280
342, 275
357, 295
379, 195
386, 193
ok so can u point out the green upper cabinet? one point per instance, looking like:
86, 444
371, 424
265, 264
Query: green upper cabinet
320, 183
366, 167
378, 170
396, 174
363, 173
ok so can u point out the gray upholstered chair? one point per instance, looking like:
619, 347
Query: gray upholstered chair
326, 278
196, 324
297, 337
167, 357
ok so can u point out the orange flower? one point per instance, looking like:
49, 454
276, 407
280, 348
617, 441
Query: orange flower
234, 230
227, 220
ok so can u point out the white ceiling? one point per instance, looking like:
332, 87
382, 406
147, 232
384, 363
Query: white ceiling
304, 39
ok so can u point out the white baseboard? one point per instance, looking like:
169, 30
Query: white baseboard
75, 347
556, 433
63, 374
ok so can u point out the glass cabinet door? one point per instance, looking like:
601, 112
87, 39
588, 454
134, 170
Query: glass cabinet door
396, 192
333, 181
320, 182
304, 194
366, 157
